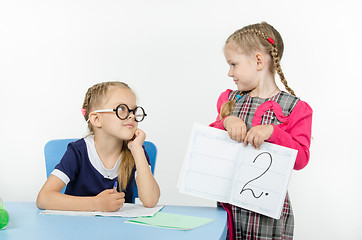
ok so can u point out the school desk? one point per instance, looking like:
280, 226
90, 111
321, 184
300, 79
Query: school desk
26, 223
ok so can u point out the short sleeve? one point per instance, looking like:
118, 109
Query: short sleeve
69, 164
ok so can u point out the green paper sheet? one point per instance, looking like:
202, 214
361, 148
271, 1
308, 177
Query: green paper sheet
173, 221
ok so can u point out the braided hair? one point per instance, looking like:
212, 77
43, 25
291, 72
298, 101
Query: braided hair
260, 36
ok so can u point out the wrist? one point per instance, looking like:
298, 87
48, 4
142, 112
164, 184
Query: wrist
135, 148
272, 128
93, 203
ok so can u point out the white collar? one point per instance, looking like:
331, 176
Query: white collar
96, 161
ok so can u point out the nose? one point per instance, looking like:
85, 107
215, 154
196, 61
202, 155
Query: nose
230, 73
131, 114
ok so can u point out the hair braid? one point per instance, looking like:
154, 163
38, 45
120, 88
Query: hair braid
227, 108
278, 68
91, 99
85, 105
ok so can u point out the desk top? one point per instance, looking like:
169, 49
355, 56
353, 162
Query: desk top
26, 223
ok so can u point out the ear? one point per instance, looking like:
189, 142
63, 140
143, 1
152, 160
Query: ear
94, 119
260, 61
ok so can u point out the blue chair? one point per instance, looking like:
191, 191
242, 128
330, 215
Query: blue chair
55, 149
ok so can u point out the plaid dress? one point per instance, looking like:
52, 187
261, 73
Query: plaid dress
248, 224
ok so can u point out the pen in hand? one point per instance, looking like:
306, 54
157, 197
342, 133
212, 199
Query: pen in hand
115, 186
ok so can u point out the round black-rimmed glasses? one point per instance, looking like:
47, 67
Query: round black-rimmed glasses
122, 111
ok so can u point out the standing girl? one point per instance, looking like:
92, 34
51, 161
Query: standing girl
113, 151
258, 111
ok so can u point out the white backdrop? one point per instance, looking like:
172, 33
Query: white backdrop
170, 53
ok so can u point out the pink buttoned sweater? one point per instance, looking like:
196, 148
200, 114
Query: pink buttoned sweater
294, 131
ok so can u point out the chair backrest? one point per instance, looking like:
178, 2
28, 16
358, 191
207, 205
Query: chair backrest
55, 149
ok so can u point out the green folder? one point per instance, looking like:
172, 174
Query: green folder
172, 221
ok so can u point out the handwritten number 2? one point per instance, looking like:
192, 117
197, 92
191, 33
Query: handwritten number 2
252, 191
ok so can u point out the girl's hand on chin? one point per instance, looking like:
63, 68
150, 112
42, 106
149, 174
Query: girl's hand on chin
137, 140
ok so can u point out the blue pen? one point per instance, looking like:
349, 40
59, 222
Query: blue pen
115, 186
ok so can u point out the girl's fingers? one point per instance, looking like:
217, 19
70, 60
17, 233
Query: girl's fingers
233, 134
120, 201
237, 135
256, 143
251, 139
243, 133
230, 134
119, 195
247, 138
136, 133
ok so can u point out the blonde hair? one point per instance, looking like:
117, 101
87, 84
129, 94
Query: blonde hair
94, 98
260, 36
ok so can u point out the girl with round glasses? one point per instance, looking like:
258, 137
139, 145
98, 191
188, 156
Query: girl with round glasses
112, 155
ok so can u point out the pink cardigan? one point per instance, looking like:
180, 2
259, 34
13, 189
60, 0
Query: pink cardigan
294, 132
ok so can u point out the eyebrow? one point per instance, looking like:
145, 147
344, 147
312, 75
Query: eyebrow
130, 107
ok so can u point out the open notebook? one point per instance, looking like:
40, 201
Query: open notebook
128, 210
224, 170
